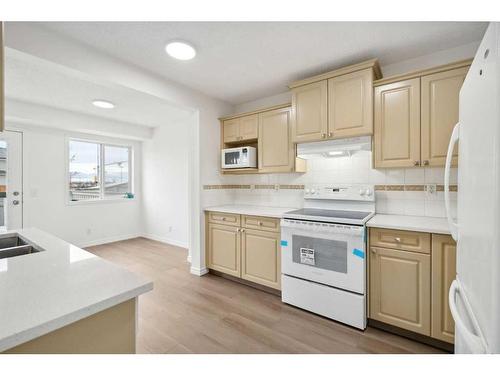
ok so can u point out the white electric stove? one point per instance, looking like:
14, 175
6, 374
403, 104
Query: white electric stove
323, 252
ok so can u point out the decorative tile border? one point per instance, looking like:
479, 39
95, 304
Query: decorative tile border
220, 187
256, 186
453, 188
411, 187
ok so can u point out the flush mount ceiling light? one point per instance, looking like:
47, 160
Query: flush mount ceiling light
180, 50
103, 104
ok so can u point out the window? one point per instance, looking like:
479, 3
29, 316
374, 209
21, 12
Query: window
99, 171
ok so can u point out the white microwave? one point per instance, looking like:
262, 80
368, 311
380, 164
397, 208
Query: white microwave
239, 157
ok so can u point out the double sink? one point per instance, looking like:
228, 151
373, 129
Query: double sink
12, 245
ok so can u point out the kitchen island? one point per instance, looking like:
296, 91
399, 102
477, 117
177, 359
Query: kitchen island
62, 299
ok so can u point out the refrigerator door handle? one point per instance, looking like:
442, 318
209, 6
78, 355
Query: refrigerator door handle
474, 342
449, 157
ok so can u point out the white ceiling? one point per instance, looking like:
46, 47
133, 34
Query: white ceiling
239, 62
36, 81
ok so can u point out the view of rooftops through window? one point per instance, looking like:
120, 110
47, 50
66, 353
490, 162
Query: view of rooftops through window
91, 163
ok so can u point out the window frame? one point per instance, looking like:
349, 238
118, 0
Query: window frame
102, 198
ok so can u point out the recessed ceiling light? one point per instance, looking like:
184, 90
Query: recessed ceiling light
180, 50
103, 104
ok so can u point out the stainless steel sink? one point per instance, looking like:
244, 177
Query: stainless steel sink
13, 246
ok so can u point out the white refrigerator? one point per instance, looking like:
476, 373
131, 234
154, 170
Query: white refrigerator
474, 296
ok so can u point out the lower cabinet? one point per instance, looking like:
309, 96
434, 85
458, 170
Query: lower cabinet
224, 249
248, 248
444, 261
400, 289
409, 288
261, 258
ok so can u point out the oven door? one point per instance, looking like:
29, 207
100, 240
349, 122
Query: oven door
330, 254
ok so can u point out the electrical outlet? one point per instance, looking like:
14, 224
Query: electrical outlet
431, 188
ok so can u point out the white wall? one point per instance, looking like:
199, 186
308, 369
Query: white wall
204, 147
165, 185
443, 57
45, 199
355, 169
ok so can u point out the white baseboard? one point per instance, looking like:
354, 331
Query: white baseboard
199, 271
189, 258
166, 240
106, 240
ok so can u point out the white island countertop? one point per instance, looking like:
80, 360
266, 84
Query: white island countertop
44, 291
412, 223
242, 209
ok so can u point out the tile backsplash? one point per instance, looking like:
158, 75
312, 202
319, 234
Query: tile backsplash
285, 189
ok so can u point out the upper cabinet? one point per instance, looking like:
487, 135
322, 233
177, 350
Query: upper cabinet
269, 130
334, 105
2, 83
397, 124
276, 151
350, 110
309, 108
241, 129
440, 94
414, 116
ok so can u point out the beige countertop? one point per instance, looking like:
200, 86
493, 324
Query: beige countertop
241, 209
412, 223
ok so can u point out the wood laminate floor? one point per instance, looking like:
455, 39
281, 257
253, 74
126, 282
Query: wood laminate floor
189, 314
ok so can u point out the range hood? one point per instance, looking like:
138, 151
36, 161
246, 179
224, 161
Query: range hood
333, 148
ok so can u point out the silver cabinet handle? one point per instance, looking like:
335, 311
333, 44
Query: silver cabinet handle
242, 230
426, 162
330, 134
323, 135
398, 239
373, 251
15, 202
416, 163
260, 222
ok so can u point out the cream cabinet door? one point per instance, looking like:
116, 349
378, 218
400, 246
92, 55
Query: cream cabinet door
309, 112
397, 124
224, 249
350, 104
276, 151
439, 114
261, 258
249, 127
444, 260
231, 130
400, 289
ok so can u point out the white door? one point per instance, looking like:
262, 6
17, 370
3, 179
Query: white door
11, 180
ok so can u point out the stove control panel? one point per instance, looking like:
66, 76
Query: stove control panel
354, 192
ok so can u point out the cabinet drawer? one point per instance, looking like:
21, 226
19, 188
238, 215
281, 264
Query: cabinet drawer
262, 223
401, 240
224, 218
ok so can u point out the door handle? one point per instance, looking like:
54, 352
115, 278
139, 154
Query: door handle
474, 342
455, 135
